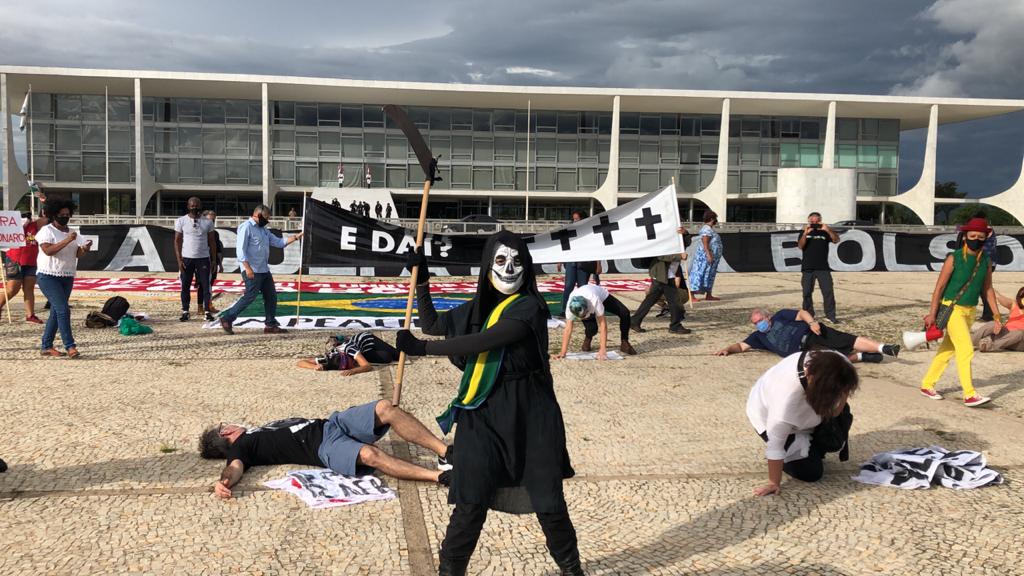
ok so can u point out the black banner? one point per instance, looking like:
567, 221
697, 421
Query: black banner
338, 242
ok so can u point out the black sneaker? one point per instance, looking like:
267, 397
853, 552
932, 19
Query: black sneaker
873, 357
3, 466
891, 350
210, 317
680, 330
446, 463
664, 313
636, 328
832, 320
445, 479
184, 316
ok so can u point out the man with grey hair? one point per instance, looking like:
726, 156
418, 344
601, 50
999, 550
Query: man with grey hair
195, 246
789, 331
252, 247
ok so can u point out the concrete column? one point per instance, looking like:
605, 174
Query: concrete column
1011, 199
608, 193
140, 152
715, 193
14, 181
267, 168
829, 159
921, 198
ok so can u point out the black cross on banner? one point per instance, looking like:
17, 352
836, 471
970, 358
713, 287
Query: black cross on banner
563, 237
605, 228
647, 221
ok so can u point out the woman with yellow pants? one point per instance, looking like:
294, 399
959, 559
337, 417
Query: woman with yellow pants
961, 282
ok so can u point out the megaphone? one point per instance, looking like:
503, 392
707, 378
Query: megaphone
914, 340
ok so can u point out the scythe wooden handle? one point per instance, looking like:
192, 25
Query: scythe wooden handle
396, 398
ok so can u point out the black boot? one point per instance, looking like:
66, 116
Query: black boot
573, 569
453, 567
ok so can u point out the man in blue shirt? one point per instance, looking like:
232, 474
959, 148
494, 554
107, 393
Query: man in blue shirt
790, 331
252, 247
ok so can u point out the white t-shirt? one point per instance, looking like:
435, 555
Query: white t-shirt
63, 263
194, 232
673, 269
777, 405
595, 295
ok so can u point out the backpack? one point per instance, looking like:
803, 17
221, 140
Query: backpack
832, 435
115, 307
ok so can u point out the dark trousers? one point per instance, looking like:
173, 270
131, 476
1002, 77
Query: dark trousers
261, 283
657, 289
381, 353
824, 278
574, 278
611, 306
809, 469
198, 268
986, 310
467, 520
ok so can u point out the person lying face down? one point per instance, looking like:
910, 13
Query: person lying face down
343, 442
789, 331
352, 355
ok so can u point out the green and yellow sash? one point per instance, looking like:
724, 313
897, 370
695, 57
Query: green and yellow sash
479, 376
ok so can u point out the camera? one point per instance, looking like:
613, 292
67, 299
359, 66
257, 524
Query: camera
816, 226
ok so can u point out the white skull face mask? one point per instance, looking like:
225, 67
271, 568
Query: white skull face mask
506, 270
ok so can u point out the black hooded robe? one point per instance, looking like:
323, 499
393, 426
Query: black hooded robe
510, 451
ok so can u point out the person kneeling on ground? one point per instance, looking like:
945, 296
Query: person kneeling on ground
790, 331
1011, 336
353, 355
343, 442
788, 403
588, 303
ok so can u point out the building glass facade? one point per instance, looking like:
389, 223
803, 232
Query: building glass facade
218, 143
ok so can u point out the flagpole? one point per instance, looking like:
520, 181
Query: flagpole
298, 294
528, 160
31, 152
106, 148
682, 264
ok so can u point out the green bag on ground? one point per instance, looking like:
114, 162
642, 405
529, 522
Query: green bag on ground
130, 326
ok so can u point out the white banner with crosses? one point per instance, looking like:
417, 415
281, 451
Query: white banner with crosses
645, 227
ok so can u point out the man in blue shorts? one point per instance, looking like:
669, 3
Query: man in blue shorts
790, 331
342, 442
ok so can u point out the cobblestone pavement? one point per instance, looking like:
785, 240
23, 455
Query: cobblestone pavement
104, 475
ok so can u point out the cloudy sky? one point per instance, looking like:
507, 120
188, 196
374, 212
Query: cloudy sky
919, 47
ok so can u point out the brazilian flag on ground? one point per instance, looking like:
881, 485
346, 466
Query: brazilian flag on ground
354, 311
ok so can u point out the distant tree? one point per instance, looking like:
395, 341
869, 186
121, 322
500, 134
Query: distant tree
948, 190
996, 216
899, 214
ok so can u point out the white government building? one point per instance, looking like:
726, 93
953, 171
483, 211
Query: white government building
514, 152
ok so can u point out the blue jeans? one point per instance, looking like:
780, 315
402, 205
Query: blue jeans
57, 290
261, 283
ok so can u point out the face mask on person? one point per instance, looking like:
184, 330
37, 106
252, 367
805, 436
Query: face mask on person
63, 220
261, 221
194, 211
974, 244
763, 325
507, 272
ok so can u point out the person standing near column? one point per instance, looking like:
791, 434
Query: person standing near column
60, 248
814, 241
195, 247
706, 259
253, 247
217, 261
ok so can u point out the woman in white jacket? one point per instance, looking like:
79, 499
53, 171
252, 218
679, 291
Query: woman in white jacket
784, 413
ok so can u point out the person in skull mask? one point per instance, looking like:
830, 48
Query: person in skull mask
510, 444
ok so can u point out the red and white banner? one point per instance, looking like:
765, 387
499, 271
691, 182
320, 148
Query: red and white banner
172, 285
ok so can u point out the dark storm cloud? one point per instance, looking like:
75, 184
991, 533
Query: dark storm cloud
926, 47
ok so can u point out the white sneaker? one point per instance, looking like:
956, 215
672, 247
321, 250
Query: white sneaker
975, 401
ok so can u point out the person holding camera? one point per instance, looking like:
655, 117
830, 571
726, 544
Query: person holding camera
814, 241
60, 248
965, 277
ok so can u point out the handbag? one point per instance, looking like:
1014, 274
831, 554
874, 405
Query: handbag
11, 268
946, 310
